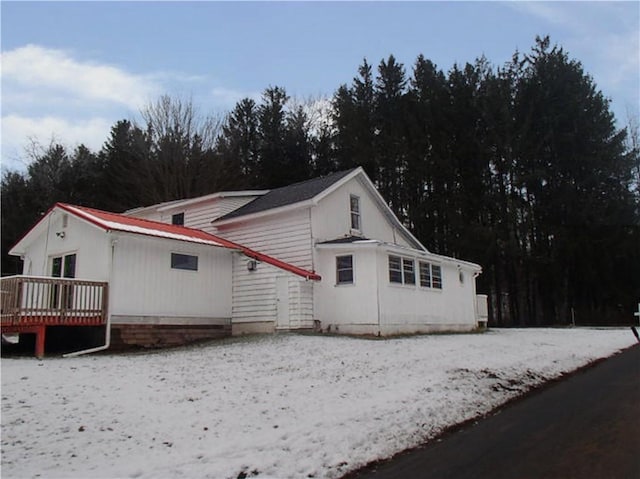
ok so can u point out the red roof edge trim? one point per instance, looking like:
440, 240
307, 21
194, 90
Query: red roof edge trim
93, 216
33, 226
281, 264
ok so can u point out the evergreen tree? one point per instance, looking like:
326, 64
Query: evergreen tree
427, 143
576, 179
238, 146
390, 121
353, 117
272, 134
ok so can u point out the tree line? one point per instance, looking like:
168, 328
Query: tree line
519, 168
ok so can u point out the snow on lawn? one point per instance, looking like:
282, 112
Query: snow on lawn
284, 406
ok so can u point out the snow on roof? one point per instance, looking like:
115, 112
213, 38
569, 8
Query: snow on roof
117, 222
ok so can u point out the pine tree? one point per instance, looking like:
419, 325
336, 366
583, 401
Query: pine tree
355, 131
272, 133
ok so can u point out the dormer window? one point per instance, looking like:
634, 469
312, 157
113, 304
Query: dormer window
354, 203
177, 219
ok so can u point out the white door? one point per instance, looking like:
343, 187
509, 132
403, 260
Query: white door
282, 302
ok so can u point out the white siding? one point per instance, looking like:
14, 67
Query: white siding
144, 284
344, 307
331, 218
255, 295
413, 308
89, 243
284, 236
254, 292
198, 215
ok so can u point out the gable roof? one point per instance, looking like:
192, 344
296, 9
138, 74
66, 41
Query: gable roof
312, 191
288, 195
116, 222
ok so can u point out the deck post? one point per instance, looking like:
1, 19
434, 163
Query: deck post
40, 336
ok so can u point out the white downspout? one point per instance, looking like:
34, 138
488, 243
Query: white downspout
107, 339
376, 252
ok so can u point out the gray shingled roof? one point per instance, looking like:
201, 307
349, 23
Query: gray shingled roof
288, 195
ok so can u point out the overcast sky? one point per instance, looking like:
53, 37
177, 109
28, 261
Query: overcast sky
70, 70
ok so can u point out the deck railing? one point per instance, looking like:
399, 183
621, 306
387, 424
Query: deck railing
31, 300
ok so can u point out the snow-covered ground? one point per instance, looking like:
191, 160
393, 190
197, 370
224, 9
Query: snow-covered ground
284, 406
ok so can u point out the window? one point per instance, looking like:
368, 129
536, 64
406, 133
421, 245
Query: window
425, 274
344, 269
408, 270
402, 270
177, 219
354, 203
430, 275
436, 273
395, 269
184, 261
62, 267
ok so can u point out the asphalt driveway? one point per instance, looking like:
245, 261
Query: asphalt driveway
586, 426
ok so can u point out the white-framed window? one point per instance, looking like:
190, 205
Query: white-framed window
408, 271
186, 262
344, 269
354, 207
177, 219
395, 269
402, 270
436, 276
430, 275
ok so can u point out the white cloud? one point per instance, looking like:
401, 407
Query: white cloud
33, 68
18, 131
49, 95
604, 36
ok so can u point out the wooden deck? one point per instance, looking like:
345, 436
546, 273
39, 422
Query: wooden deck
29, 304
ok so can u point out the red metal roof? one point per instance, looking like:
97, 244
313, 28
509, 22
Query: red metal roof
117, 222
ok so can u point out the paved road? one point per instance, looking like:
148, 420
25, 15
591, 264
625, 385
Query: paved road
587, 426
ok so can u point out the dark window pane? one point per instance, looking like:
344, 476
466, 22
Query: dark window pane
425, 275
355, 212
344, 269
177, 219
56, 268
355, 204
395, 269
184, 261
70, 266
409, 271
345, 276
437, 276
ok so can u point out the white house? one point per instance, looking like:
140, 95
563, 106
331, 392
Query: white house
325, 254
377, 278
167, 283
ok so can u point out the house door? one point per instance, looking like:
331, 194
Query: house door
63, 267
282, 302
